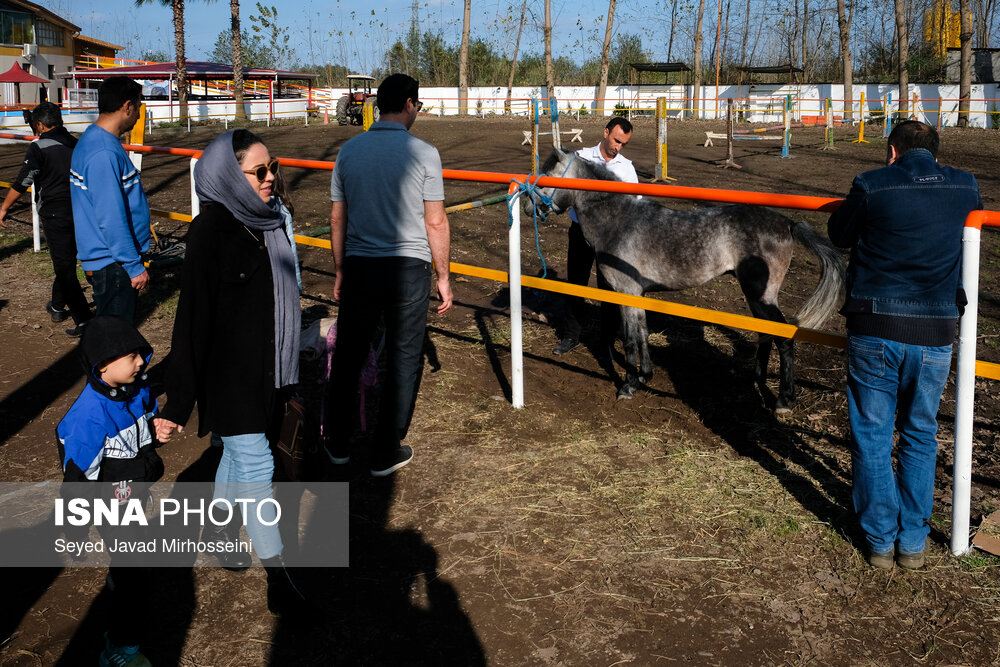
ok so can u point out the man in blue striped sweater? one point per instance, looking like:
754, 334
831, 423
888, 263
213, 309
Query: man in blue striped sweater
109, 205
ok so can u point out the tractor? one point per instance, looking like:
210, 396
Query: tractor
350, 107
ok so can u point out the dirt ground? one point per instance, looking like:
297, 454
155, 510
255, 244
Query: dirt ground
687, 525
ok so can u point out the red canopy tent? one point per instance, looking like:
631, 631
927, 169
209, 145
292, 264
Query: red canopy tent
17, 76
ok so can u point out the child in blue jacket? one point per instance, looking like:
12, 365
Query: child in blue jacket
107, 437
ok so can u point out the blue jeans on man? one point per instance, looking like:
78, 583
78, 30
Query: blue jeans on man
113, 291
894, 385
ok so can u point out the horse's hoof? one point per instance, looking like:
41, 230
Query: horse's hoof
627, 391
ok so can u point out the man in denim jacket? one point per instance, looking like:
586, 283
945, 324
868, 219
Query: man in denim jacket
903, 224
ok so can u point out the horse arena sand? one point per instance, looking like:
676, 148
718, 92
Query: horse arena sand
686, 525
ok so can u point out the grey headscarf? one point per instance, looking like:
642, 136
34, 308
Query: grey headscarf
219, 178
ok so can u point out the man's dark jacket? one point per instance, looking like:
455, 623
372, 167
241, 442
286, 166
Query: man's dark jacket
903, 224
46, 166
222, 350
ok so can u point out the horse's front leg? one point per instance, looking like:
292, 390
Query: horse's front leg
638, 366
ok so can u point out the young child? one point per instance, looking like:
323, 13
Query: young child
106, 437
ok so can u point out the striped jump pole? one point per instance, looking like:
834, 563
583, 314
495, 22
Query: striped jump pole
861, 127
536, 110
887, 126
730, 159
788, 127
554, 112
828, 146
661, 141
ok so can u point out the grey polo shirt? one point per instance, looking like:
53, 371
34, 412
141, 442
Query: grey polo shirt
385, 175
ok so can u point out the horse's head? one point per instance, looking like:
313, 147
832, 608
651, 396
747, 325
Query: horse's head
561, 199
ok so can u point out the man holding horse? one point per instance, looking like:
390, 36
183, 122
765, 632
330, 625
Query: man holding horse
580, 255
903, 224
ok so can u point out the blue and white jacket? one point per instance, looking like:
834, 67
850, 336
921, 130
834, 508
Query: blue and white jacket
110, 210
106, 434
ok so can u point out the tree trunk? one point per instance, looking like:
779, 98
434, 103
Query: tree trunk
463, 63
844, 25
965, 64
602, 90
696, 83
673, 28
746, 35
902, 58
234, 21
547, 33
181, 59
805, 45
513, 61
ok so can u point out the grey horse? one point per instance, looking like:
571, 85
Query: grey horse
642, 246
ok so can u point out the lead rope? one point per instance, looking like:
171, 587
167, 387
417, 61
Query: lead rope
532, 190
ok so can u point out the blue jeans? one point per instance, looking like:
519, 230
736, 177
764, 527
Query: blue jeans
889, 385
245, 471
113, 291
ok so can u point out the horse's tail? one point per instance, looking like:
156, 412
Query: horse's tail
829, 293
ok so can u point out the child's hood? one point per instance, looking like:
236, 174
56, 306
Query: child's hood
107, 337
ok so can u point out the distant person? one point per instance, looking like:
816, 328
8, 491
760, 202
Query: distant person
107, 438
46, 171
387, 224
235, 346
580, 255
903, 224
109, 205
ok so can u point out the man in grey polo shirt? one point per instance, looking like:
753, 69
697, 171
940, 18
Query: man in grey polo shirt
386, 226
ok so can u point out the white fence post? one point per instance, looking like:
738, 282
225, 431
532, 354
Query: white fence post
965, 388
514, 284
195, 204
36, 222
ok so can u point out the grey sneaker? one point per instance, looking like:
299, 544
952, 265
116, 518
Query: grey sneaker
385, 468
912, 561
882, 561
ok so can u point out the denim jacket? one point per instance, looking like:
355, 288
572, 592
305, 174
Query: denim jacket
903, 224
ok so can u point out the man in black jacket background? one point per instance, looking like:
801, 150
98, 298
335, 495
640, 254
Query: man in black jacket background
46, 170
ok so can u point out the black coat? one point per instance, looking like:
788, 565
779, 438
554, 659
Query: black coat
222, 350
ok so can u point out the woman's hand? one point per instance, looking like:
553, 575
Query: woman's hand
165, 429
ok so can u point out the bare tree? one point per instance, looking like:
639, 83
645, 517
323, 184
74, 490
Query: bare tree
985, 14
547, 33
463, 63
602, 90
513, 60
696, 82
965, 63
902, 57
673, 28
805, 42
844, 19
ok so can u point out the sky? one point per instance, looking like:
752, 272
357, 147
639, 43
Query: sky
345, 30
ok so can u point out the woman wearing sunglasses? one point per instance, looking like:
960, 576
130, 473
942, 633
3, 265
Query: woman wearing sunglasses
235, 344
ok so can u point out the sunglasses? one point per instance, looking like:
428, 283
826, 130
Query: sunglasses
419, 105
260, 171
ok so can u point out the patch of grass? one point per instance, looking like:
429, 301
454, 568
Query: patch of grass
977, 560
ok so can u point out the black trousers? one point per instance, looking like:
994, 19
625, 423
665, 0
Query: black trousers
57, 223
580, 258
396, 291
